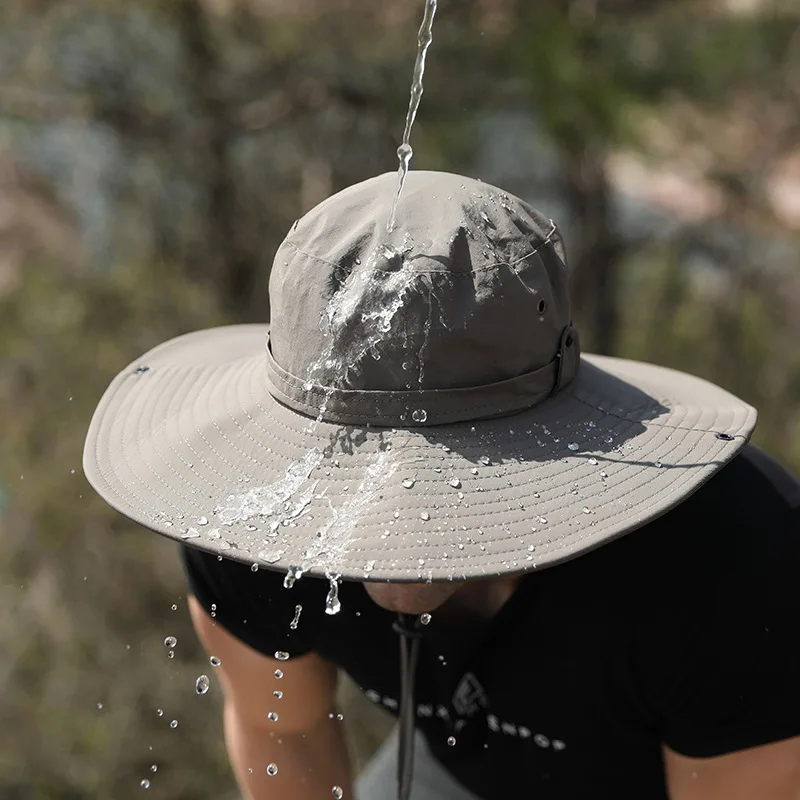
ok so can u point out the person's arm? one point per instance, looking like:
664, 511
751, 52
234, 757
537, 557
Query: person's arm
768, 772
304, 743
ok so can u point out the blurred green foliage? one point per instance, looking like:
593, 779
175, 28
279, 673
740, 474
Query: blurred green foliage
156, 153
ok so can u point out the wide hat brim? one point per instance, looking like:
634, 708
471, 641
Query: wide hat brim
189, 442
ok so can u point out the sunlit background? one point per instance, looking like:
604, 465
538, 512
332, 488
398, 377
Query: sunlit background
153, 154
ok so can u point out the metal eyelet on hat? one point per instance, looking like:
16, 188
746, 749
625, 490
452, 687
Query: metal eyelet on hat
542, 307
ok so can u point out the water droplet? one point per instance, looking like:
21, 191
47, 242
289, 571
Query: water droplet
278, 673
425, 515
485, 460
145, 784
154, 768
419, 415
173, 724
170, 641
337, 792
202, 521
272, 769
406, 365
293, 574
725, 437
573, 446
332, 604
455, 482
543, 520
281, 655
408, 483
174, 607
202, 684
278, 694
272, 716
192, 533
425, 619
254, 567
593, 462
171, 654
298, 609
159, 712
658, 465
451, 740
603, 474
587, 510
99, 706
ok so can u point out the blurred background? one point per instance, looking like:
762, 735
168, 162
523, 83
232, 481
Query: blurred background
153, 154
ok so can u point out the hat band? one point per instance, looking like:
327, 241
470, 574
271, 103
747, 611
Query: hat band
425, 407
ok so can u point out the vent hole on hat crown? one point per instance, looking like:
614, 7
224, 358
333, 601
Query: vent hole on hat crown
568, 341
542, 307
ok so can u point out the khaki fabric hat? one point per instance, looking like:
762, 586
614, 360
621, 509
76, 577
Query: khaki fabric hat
417, 410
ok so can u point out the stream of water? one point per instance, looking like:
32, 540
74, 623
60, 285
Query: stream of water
404, 152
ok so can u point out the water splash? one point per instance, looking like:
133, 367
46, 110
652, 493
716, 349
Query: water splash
404, 152
265, 500
332, 543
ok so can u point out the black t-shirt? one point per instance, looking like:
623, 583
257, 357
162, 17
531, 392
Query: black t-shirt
684, 632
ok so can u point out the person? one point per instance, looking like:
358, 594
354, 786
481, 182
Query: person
568, 576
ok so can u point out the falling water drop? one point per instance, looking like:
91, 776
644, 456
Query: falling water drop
281, 655
451, 740
171, 654
425, 619
419, 415
154, 768
293, 574
145, 784
298, 609
332, 604
202, 684
159, 712
173, 724
272, 716
278, 674
214, 661
272, 769
337, 792
170, 641
278, 694
254, 567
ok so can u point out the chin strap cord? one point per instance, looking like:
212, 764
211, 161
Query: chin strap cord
408, 626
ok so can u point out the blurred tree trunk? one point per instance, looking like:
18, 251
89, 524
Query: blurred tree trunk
229, 266
597, 252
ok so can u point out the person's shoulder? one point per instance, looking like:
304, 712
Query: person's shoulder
740, 529
753, 481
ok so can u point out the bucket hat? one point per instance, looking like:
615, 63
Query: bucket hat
418, 408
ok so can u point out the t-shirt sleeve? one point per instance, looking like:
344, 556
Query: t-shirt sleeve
252, 606
733, 655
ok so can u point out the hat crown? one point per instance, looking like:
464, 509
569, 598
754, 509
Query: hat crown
469, 289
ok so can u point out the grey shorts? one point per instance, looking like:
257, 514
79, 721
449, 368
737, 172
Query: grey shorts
378, 781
